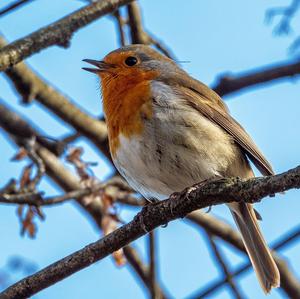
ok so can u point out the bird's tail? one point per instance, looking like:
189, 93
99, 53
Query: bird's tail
257, 249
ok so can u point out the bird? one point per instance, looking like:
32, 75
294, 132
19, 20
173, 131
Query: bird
168, 131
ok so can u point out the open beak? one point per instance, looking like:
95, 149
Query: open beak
101, 66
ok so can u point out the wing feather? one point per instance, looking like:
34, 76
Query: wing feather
220, 116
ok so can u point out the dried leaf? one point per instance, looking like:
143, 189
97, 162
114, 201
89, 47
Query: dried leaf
20, 211
74, 157
119, 257
20, 155
83, 168
75, 154
107, 201
25, 177
109, 224
28, 225
10, 187
38, 211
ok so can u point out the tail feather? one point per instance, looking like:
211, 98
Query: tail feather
257, 249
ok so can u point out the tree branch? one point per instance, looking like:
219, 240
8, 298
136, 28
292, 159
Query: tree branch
288, 282
152, 264
228, 84
177, 206
58, 33
36, 199
16, 126
142, 271
287, 13
120, 22
13, 124
30, 86
13, 6
227, 275
138, 34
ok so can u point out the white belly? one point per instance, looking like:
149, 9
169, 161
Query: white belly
177, 149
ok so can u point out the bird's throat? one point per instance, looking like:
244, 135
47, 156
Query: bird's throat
126, 105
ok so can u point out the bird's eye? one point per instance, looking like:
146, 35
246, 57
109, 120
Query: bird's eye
131, 61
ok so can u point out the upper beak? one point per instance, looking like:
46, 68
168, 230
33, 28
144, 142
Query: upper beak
100, 64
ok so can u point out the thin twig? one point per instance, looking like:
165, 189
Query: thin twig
229, 83
120, 24
236, 293
139, 35
36, 199
152, 264
58, 33
29, 198
287, 14
30, 148
13, 6
142, 271
286, 240
161, 46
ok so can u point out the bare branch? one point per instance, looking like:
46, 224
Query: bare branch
152, 266
30, 147
29, 198
142, 271
36, 199
67, 181
19, 128
58, 33
13, 6
177, 206
228, 276
288, 282
138, 35
137, 32
30, 86
120, 24
229, 83
287, 14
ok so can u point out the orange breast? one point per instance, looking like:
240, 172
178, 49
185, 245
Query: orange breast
127, 103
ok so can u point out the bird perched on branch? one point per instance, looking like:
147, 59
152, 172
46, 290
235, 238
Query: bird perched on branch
168, 131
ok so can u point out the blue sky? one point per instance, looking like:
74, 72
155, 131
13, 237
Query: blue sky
215, 37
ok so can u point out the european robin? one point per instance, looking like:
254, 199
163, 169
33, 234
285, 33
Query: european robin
168, 131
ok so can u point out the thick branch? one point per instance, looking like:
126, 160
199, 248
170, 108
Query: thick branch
177, 206
18, 127
228, 84
58, 33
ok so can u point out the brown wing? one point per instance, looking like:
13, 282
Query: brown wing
198, 98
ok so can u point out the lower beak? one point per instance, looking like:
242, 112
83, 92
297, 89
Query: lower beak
101, 66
